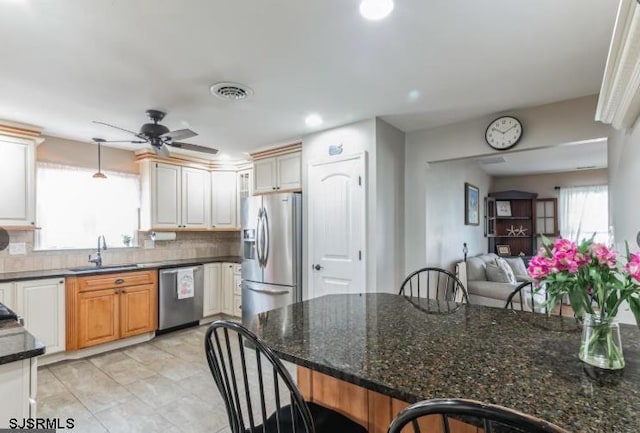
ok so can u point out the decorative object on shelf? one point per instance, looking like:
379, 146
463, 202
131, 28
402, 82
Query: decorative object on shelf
596, 284
471, 205
503, 133
126, 240
511, 231
503, 250
521, 231
465, 251
335, 149
503, 208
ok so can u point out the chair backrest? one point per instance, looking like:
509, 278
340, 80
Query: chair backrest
253, 382
449, 413
525, 297
434, 283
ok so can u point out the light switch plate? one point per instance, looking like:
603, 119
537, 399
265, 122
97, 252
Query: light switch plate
17, 248
148, 244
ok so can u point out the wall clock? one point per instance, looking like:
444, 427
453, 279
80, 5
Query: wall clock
503, 133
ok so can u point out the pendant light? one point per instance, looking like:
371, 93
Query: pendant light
99, 174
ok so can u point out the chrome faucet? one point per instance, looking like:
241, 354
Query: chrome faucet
98, 258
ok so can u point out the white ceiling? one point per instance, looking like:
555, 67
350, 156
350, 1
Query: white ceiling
591, 155
66, 63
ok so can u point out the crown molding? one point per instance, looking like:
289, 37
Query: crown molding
619, 101
277, 151
21, 130
191, 161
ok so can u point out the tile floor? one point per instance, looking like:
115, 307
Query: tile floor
163, 385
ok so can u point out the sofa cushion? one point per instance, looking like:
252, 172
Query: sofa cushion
476, 266
488, 289
518, 267
499, 271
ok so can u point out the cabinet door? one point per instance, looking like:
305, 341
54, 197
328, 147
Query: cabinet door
237, 306
7, 296
15, 379
224, 194
41, 304
212, 289
138, 310
166, 196
264, 175
289, 171
17, 187
196, 198
227, 289
98, 317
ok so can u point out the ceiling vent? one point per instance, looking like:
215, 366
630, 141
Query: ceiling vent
231, 91
494, 160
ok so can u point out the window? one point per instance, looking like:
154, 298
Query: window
584, 210
73, 208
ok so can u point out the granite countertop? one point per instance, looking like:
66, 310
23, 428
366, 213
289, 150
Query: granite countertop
409, 350
17, 343
52, 273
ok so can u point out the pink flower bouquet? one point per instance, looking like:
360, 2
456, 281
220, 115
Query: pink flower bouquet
590, 275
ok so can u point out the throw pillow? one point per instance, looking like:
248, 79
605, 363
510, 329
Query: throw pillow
518, 267
496, 274
502, 264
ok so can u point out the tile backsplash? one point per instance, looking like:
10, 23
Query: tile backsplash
187, 245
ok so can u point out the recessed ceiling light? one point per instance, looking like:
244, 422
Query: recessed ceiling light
376, 9
413, 95
313, 120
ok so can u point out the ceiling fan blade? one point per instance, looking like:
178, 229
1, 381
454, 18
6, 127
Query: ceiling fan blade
179, 134
194, 147
117, 127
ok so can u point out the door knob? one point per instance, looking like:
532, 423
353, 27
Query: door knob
316, 267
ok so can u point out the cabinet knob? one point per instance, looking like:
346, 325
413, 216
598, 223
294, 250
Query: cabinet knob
273, 187
119, 281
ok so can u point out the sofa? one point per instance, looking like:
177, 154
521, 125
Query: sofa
482, 291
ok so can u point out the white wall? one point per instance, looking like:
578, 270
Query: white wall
355, 137
389, 207
445, 205
544, 184
547, 125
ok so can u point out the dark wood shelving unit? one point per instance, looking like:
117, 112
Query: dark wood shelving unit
523, 209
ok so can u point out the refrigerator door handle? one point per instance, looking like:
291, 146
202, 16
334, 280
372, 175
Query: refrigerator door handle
271, 292
265, 227
259, 239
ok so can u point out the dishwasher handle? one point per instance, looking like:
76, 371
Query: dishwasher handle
175, 271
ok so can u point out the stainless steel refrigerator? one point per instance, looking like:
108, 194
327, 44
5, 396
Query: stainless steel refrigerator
271, 252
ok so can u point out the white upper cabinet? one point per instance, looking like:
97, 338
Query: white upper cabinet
17, 182
196, 198
289, 171
264, 175
277, 173
175, 197
167, 200
41, 304
223, 199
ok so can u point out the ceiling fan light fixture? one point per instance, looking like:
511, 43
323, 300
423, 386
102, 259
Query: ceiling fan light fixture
375, 10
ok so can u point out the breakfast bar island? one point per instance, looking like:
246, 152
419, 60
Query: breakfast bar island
370, 355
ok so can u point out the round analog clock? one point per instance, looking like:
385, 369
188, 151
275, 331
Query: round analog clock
503, 133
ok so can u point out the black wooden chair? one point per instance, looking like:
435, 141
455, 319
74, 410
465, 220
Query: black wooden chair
490, 418
523, 298
251, 378
427, 282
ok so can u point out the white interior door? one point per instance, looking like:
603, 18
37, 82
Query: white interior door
336, 225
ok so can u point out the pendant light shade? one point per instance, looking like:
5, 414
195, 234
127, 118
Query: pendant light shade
99, 174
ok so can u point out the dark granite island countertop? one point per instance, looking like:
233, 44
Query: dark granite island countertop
528, 362
17, 343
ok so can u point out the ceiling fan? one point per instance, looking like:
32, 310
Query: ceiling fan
158, 136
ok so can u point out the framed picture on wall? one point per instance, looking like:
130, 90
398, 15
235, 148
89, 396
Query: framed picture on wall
503, 250
471, 205
503, 208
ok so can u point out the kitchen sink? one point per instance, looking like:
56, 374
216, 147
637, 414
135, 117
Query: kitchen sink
108, 268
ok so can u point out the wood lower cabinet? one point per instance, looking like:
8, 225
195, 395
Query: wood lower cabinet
368, 408
108, 307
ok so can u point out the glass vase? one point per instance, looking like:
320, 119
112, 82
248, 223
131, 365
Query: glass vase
601, 346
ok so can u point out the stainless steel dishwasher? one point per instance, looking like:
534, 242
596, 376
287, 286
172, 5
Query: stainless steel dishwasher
174, 312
